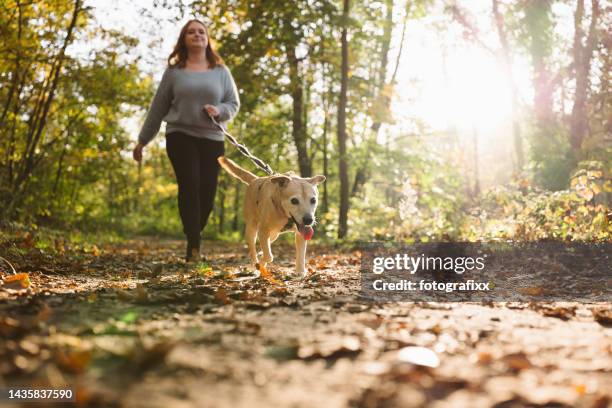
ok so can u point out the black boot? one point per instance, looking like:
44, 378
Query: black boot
193, 250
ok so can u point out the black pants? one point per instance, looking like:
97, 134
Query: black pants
196, 168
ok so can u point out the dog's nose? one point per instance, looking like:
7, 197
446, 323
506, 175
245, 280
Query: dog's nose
307, 219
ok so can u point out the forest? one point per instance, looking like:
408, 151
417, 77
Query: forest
444, 128
325, 88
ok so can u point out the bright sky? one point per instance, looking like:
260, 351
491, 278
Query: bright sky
442, 80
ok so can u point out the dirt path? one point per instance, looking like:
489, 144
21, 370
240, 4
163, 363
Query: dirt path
128, 325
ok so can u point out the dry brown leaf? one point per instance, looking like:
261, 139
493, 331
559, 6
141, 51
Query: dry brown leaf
531, 291
9, 327
563, 313
602, 316
484, 358
517, 361
142, 296
124, 295
279, 292
74, 361
221, 297
268, 276
157, 269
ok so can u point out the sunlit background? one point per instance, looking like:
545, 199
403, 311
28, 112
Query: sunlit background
451, 143
456, 88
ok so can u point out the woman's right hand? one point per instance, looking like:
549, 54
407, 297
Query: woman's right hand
137, 152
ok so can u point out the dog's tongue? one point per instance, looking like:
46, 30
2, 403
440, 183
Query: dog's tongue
306, 231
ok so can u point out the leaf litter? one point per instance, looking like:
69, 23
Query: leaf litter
104, 317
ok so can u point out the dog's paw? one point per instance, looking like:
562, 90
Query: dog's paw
267, 260
301, 273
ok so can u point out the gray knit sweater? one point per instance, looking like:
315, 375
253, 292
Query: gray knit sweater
180, 99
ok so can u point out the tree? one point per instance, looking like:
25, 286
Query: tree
538, 25
583, 54
509, 72
342, 135
22, 159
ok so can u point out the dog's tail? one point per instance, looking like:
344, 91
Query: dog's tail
232, 168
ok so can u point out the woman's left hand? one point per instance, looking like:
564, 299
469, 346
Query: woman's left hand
211, 110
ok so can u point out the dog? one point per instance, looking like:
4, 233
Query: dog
274, 205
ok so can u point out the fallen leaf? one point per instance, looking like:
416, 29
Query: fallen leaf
580, 389
124, 295
279, 292
602, 316
531, 291
74, 361
17, 281
484, 358
330, 348
29, 347
221, 297
517, 361
268, 276
9, 327
563, 313
157, 270
420, 356
145, 358
142, 296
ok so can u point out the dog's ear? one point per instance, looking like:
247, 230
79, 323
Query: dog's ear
282, 181
315, 180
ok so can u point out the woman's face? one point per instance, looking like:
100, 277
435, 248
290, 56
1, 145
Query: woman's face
195, 36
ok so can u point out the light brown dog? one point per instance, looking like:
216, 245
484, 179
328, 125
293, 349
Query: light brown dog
277, 204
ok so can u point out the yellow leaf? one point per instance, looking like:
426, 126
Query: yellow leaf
531, 291
20, 279
268, 276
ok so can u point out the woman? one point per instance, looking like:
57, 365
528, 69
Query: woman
195, 86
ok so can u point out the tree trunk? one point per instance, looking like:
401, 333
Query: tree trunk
507, 61
39, 118
381, 94
326, 104
343, 167
583, 54
539, 26
476, 191
298, 126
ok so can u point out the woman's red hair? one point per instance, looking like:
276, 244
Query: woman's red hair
178, 57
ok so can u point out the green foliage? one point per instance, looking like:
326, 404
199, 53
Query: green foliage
414, 195
525, 212
552, 159
71, 167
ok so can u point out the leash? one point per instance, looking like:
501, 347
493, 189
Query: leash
243, 149
6, 262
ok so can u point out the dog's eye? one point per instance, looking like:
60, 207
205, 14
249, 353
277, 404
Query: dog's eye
313, 200
295, 201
